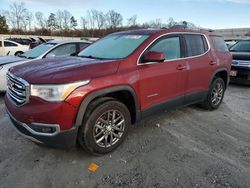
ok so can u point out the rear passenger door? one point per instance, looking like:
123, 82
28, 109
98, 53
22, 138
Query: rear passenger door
199, 71
163, 81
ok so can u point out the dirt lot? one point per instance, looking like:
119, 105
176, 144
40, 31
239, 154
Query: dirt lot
189, 147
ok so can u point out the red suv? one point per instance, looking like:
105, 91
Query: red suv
115, 82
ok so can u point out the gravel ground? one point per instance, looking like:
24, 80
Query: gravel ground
189, 147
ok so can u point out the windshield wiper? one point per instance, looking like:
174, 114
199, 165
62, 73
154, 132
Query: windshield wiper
92, 57
22, 56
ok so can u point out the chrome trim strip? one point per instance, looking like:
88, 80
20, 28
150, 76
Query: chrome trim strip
182, 58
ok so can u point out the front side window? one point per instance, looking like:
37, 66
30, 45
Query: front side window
115, 46
63, 50
195, 44
169, 46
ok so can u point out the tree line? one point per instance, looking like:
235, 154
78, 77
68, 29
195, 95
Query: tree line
19, 20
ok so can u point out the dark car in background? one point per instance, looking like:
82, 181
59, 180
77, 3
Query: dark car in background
240, 71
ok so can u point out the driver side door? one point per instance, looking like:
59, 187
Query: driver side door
162, 84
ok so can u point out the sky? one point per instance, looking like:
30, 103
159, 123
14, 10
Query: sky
213, 14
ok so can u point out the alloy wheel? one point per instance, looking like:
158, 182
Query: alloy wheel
109, 128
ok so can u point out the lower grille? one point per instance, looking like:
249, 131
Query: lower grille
17, 89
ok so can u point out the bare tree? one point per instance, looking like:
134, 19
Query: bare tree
27, 20
132, 21
84, 23
114, 19
16, 15
171, 22
59, 19
99, 18
41, 20
66, 19
90, 20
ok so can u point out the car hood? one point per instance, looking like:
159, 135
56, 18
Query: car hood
10, 59
241, 56
64, 70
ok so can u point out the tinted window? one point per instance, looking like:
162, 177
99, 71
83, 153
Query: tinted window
169, 46
241, 46
63, 50
8, 44
83, 45
196, 44
219, 44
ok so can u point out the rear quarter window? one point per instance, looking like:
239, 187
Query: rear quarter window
219, 44
195, 44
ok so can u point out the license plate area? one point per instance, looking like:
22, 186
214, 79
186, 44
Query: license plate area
233, 73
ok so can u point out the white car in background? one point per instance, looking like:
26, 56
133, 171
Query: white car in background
8, 47
50, 49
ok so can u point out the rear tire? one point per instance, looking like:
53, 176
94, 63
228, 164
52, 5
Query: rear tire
105, 127
215, 95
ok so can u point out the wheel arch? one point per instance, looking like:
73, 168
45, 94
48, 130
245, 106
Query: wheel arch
222, 73
110, 92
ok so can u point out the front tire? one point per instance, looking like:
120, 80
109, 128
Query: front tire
215, 95
105, 128
18, 53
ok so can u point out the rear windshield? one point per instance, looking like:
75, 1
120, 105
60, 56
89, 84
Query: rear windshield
219, 44
241, 46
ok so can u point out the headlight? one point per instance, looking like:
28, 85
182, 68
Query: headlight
55, 92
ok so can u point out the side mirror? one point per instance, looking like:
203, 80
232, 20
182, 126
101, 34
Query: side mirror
153, 57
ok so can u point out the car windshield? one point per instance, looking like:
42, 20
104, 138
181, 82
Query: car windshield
241, 46
113, 46
37, 51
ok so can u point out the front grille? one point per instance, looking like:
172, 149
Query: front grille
17, 89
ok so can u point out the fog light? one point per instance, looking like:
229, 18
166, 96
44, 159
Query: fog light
43, 128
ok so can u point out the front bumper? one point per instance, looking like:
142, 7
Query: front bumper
242, 77
62, 139
33, 119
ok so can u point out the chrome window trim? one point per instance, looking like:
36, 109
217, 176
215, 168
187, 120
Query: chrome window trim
182, 58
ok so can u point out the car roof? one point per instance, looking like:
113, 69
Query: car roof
162, 31
67, 41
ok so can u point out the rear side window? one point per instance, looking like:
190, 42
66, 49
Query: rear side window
195, 44
7, 44
219, 44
